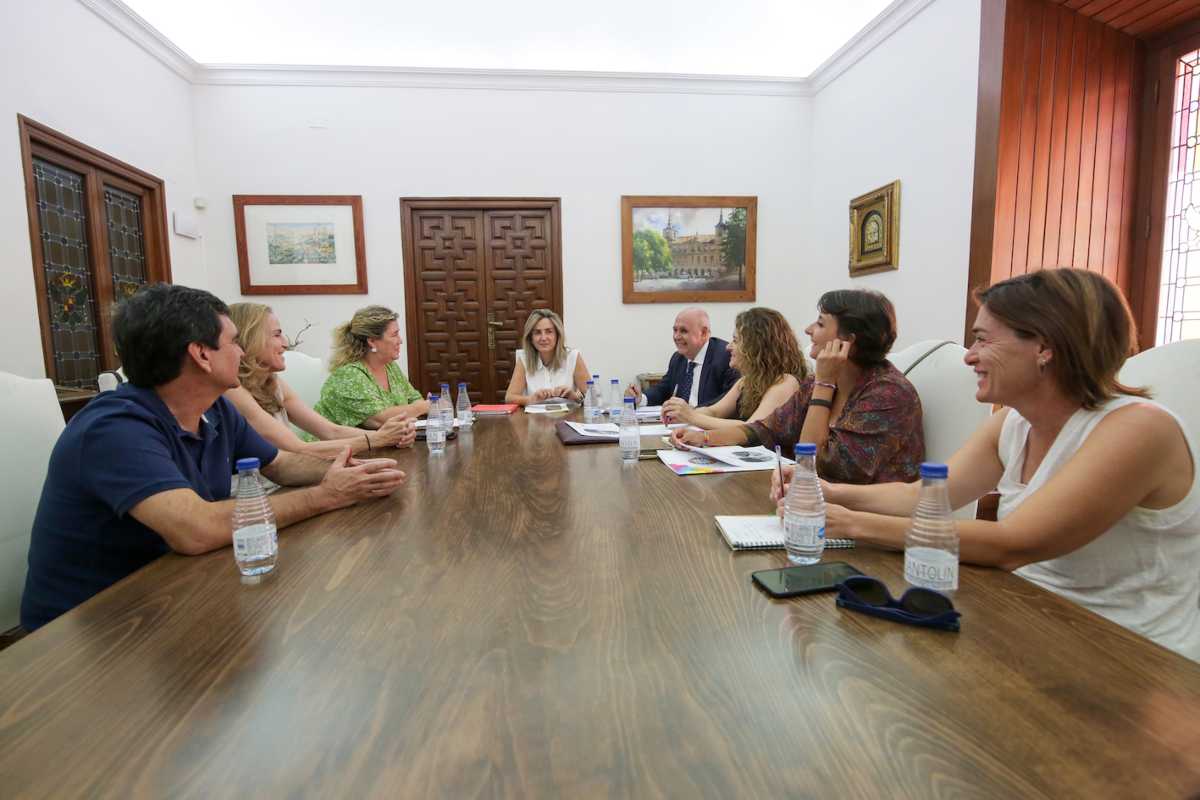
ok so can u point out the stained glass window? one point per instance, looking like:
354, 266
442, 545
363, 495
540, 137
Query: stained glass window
1179, 292
62, 220
126, 246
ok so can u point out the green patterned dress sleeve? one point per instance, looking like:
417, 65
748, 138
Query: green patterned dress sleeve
351, 395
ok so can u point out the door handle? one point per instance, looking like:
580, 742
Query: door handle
495, 324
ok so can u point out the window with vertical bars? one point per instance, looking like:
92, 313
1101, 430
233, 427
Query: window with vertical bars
1179, 291
62, 219
98, 234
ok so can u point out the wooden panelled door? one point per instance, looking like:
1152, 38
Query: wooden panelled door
473, 270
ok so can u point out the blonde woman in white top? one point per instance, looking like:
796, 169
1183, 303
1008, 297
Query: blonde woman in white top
270, 405
544, 367
1100, 501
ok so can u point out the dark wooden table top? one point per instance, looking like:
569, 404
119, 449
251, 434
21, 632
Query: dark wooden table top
529, 620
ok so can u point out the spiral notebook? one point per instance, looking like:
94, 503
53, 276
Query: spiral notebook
762, 532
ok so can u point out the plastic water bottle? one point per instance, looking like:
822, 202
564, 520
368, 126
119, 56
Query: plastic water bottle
446, 407
466, 417
931, 544
630, 439
589, 402
435, 431
804, 510
616, 399
255, 540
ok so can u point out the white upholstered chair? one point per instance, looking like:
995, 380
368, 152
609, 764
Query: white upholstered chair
32, 422
109, 380
305, 375
949, 409
1172, 373
903, 360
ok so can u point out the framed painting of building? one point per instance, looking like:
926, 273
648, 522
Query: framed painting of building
300, 244
875, 231
688, 249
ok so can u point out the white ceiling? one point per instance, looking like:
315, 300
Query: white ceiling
766, 38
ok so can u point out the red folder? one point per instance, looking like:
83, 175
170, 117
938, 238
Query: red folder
498, 408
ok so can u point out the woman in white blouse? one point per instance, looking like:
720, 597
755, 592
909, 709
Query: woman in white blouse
1099, 497
545, 368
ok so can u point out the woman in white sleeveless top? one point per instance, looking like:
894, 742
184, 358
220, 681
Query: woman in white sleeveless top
1100, 501
545, 367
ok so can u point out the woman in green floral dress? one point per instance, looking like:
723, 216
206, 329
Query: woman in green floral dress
366, 387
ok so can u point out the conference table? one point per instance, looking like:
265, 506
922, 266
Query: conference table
524, 619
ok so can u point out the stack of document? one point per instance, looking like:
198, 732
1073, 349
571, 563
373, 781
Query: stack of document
610, 429
712, 460
421, 423
550, 407
649, 412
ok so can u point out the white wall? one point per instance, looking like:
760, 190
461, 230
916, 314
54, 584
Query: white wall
63, 66
588, 148
906, 111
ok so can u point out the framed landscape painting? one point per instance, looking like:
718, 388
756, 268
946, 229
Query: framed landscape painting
300, 244
688, 249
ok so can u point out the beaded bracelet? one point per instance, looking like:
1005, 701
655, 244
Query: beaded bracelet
817, 401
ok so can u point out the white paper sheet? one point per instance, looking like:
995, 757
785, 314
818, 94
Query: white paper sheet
604, 429
549, 408
719, 459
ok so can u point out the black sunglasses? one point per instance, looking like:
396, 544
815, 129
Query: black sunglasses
917, 606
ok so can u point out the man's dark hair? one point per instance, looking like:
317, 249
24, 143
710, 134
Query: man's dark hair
153, 329
866, 314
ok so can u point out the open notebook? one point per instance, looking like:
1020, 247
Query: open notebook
762, 532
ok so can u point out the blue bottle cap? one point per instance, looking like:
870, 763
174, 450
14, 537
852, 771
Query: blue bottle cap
445, 386
629, 400
806, 449
933, 469
590, 383
435, 397
247, 464
462, 385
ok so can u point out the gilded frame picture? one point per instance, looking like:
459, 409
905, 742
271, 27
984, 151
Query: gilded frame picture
300, 244
875, 231
688, 248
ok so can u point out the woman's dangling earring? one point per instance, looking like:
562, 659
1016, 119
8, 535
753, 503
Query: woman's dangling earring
376, 350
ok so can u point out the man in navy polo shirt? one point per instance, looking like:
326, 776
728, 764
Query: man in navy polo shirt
147, 468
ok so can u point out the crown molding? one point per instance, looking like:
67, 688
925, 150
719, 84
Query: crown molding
873, 34
495, 79
124, 20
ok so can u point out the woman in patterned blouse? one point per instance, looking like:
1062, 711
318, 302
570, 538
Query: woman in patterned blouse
366, 387
860, 411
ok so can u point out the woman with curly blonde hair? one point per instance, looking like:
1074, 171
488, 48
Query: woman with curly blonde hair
765, 350
366, 386
269, 404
